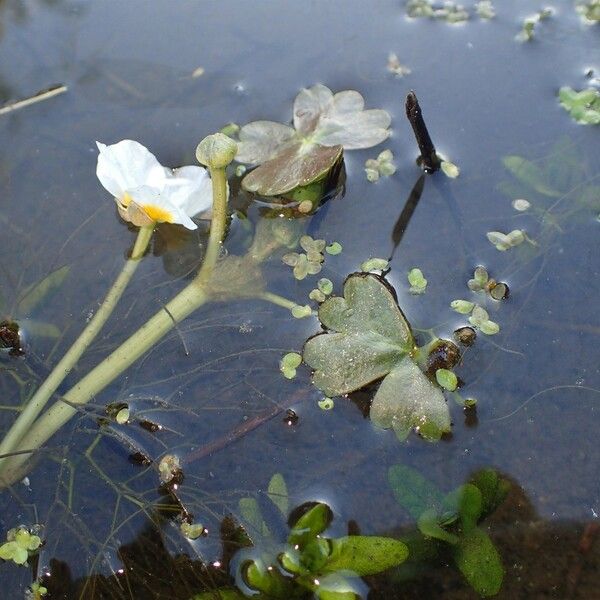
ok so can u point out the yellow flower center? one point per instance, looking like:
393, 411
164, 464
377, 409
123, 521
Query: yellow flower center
156, 213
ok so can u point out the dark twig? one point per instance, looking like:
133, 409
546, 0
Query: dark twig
429, 159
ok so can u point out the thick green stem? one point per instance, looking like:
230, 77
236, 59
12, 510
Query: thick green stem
218, 224
98, 378
278, 300
69, 360
182, 305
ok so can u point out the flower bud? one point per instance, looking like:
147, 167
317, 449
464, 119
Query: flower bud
216, 151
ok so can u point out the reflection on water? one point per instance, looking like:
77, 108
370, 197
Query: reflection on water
213, 385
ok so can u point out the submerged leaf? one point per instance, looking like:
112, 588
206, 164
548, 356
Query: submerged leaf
412, 491
479, 562
365, 555
34, 295
529, 174
299, 164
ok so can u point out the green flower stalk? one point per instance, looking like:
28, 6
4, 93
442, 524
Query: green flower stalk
69, 360
215, 151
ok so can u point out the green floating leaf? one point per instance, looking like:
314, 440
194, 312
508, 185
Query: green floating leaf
292, 360
325, 286
297, 166
583, 106
418, 283
479, 562
365, 555
326, 404
278, 493
300, 312
334, 248
370, 338
317, 296
464, 307
406, 399
33, 296
310, 524
412, 491
447, 379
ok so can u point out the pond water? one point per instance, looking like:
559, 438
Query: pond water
213, 385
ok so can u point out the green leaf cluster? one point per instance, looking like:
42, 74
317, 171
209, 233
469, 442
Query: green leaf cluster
367, 339
20, 544
583, 106
451, 521
306, 561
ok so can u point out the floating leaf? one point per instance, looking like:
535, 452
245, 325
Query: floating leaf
325, 285
365, 555
418, 283
446, 379
583, 106
330, 119
192, 531
449, 169
326, 404
369, 338
298, 164
300, 312
312, 523
407, 399
521, 205
34, 295
333, 248
261, 140
317, 296
122, 416
464, 307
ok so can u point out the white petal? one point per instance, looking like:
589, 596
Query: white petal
261, 140
128, 165
309, 105
191, 190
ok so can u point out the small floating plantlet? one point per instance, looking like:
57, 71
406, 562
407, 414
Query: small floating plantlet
382, 166
21, 543
418, 283
583, 106
289, 363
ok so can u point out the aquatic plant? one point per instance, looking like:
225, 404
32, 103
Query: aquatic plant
303, 561
450, 523
368, 338
146, 193
325, 124
583, 106
20, 544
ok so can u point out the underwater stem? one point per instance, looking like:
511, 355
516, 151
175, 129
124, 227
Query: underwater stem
189, 299
69, 360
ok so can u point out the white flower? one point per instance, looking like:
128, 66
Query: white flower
147, 192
